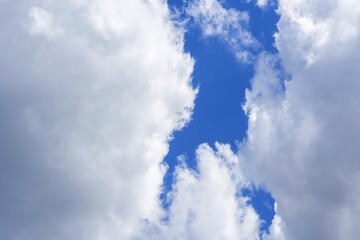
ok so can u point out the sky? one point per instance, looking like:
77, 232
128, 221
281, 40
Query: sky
179, 119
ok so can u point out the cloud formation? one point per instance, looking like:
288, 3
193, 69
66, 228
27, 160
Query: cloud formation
229, 25
90, 93
303, 134
42, 23
262, 3
206, 203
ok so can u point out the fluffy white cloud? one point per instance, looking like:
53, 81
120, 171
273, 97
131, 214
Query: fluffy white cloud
90, 93
207, 203
277, 228
229, 25
262, 3
303, 138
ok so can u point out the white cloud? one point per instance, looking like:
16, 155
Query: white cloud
229, 25
86, 118
42, 23
276, 229
207, 204
262, 3
303, 140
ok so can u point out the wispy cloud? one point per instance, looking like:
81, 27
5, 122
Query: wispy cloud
229, 25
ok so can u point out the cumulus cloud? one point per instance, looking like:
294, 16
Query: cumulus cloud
229, 25
86, 117
206, 203
303, 134
276, 229
91, 91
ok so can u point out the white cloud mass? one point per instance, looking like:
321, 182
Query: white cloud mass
303, 138
92, 90
207, 203
90, 93
276, 229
